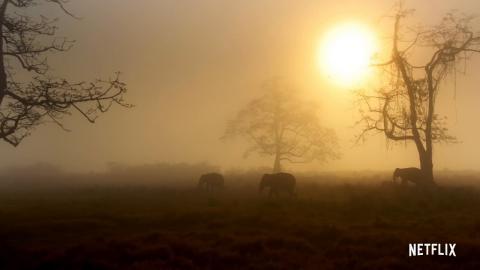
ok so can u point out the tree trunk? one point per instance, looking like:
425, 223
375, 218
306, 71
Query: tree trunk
277, 167
424, 151
426, 165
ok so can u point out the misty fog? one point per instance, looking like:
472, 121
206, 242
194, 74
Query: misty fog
191, 65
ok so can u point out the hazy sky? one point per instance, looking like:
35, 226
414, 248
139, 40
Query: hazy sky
191, 65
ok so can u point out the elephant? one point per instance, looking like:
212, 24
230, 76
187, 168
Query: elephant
211, 181
412, 174
278, 182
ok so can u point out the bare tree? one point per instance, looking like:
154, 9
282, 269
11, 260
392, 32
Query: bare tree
29, 94
403, 109
282, 125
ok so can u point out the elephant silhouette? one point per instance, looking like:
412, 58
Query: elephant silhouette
211, 181
278, 183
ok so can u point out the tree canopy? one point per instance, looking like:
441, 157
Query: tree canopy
283, 125
404, 107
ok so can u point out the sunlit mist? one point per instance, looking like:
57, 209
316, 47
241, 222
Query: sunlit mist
345, 53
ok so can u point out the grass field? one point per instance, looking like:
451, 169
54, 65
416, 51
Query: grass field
325, 227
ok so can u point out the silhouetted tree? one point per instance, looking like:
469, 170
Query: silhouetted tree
282, 125
29, 94
403, 108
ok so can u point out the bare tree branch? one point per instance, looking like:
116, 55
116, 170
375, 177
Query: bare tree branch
404, 108
27, 42
282, 125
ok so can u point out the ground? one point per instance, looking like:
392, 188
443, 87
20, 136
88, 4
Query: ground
325, 227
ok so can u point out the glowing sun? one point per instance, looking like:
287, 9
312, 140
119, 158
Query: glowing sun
346, 52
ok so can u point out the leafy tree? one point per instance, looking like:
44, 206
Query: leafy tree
283, 125
404, 108
29, 94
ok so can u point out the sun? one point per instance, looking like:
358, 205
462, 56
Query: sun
346, 53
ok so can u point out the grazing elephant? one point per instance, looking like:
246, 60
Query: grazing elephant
413, 175
211, 181
279, 182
